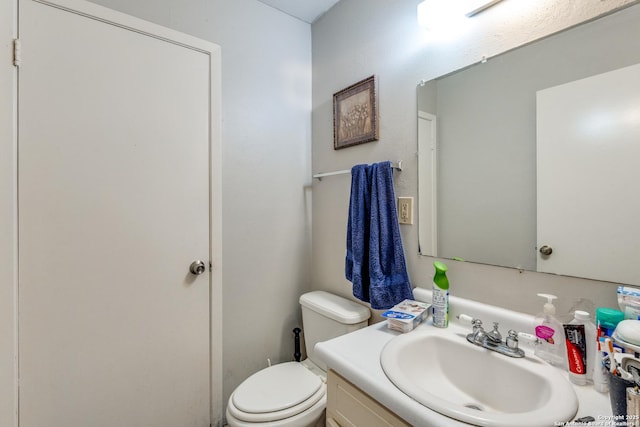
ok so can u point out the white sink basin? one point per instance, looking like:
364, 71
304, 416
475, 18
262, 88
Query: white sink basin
443, 371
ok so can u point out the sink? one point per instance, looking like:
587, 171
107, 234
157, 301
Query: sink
441, 370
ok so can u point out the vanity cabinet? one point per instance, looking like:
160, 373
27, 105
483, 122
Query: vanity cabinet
347, 405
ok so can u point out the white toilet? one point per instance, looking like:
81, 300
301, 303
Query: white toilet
293, 394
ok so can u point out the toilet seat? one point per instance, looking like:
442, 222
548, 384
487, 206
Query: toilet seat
275, 393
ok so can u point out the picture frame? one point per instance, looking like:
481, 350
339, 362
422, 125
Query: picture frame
355, 114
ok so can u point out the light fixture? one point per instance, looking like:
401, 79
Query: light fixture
434, 14
479, 6
440, 14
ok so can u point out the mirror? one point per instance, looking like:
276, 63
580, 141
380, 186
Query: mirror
477, 140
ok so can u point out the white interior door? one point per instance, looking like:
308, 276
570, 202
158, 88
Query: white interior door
114, 186
428, 181
588, 174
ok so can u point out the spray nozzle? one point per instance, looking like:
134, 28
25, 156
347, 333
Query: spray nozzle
549, 308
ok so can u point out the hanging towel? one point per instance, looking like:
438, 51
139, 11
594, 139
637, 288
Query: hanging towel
357, 258
375, 262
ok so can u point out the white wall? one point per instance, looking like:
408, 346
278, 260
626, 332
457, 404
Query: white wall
266, 137
358, 38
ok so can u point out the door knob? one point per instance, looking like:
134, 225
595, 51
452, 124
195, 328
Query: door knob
546, 250
197, 267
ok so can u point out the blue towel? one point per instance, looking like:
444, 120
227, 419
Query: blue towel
357, 259
375, 262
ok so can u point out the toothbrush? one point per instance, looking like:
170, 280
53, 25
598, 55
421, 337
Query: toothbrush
612, 360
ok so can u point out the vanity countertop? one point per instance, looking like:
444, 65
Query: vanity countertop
356, 357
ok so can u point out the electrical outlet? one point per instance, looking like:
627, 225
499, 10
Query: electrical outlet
405, 210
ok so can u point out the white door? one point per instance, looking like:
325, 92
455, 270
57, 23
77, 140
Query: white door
114, 140
428, 182
588, 174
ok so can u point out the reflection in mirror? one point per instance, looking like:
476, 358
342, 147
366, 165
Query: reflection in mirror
477, 141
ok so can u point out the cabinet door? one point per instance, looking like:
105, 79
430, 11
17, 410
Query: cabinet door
349, 406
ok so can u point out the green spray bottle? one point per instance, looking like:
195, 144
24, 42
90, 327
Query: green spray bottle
440, 300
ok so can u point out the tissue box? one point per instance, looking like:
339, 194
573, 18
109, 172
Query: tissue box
407, 315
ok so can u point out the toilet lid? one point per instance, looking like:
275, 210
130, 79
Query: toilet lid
276, 388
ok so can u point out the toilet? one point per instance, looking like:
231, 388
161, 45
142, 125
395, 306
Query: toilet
293, 394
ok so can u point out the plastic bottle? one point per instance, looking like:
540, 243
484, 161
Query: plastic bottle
580, 338
606, 321
629, 302
551, 334
440, 296
582, 304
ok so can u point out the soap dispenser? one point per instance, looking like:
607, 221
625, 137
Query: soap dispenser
550, 333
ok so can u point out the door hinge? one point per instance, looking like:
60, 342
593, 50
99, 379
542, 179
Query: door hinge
210, 267
17, 52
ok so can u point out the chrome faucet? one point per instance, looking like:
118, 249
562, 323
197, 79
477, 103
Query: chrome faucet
492, 340
495, 336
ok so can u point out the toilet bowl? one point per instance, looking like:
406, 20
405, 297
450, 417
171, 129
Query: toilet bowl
288, 394
293, 394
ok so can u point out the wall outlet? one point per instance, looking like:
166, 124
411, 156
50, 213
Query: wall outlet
405, 210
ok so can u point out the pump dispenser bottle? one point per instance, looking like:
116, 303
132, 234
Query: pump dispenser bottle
550, 333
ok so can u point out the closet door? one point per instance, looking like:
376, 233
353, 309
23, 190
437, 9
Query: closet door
114, 140
588, 136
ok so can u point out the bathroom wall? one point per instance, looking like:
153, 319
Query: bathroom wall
358, 38
266, 137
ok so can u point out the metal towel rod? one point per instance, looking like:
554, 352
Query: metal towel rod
319, 176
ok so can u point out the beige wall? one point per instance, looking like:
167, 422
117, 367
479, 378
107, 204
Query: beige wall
358, 38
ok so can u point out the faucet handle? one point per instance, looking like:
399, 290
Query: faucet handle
465, 318
475, 322
528, 337
478, 330
512, 339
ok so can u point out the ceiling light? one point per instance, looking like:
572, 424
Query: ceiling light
434, 14
479, 6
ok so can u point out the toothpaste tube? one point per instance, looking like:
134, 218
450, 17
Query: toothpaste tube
576, 353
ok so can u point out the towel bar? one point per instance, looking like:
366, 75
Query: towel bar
319, 176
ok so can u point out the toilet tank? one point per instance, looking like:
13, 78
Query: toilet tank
326, 316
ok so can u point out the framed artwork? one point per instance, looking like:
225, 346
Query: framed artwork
355, 114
